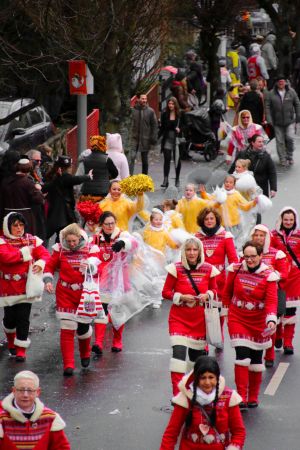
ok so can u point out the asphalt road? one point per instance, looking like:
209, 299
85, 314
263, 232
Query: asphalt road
122, 400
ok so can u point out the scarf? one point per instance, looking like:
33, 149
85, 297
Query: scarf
156, 228
210, 231
202, 398
253, 269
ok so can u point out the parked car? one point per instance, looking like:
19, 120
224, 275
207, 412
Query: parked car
25, 131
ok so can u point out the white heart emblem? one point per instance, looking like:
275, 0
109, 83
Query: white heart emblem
106, 256
209, 252
194, 437
204, 429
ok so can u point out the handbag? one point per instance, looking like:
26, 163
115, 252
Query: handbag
269, 130
34, 283
213, 325
90, 305
291, 252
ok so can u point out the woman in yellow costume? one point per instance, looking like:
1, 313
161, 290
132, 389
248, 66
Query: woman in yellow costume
233, 64
189, 207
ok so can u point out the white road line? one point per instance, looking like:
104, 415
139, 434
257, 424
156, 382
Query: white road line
276, 379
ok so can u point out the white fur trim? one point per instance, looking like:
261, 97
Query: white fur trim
230, 268
171, 269
94, 249
86, 335
47, 275
38, 241
228, 158
58, 424
176, 365
190, 366
273, 277
235, 399
256, 368
72, 317
103, 321
271, 318
181, 400
23, 344
195, 344
280, 255
16, 414
41, 263
127, 243
8, 330
233, 447
13, 299
289, 320
26, 255
293, 303
2, 241
250, 344
243, 362
228, 235
176, 299
56, 247
68, 325
214, 272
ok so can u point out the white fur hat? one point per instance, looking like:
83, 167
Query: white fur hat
114, 142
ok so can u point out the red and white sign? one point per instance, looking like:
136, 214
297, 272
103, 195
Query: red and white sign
81, 81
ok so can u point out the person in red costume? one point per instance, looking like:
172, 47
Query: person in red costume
218, 247
278, 260
206, 411
71, 257
286, 237
251, 295
110, 239
25, 422
18, 250
189, 284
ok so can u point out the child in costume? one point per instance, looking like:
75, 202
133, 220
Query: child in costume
172, 218
190, 206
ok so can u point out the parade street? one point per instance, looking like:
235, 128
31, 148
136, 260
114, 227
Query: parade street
122, 401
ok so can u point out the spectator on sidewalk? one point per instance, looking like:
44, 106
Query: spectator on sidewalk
26, 422
244, 64
253, 102
144, 132
116, 154
282, 110
180, 91
256, 64
270, 57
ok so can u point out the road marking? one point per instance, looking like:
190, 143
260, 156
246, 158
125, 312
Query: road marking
276, 379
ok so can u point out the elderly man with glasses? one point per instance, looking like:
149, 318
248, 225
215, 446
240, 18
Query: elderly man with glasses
24, 420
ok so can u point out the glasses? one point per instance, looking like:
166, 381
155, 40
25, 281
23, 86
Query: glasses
250, 256
29, 391
245, 117
109, 224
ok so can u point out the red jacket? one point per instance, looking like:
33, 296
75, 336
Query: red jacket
217, 248
229, 422
184, 320
15, 257
44, 430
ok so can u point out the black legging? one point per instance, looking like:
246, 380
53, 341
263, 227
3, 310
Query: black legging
82, 328
179, 352
167, 163
246, 352
17, 316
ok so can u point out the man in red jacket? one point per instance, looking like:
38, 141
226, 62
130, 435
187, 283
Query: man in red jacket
26, 422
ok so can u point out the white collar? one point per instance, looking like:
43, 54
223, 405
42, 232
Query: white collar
22, 410
161, 228
202, 397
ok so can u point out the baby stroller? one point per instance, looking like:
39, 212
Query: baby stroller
199, 135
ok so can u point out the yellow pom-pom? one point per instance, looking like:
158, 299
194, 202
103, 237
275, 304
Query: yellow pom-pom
137, 184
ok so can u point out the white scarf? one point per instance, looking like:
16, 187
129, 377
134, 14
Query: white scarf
202, 397
156, 228
232, 191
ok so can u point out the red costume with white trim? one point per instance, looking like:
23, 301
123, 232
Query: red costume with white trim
229, 422
43, 431
252, 302
217, 248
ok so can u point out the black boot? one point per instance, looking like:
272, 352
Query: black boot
165, 183
177, 182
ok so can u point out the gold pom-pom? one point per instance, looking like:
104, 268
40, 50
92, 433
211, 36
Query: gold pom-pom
137, 184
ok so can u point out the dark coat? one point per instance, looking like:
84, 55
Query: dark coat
195, 79
263, 169
181, 94
144, 128
19, 194
253, 102
167, 125
103, 170
282, 113
61, 201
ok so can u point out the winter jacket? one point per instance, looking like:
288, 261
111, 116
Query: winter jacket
43, 431
229, 422
282, 113
144, 128
268, 52
253, 102
179, 91
195, 79
19, 194
103, 170
166, 126
263, 169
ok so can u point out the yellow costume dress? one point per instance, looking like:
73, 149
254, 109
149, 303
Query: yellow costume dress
189, 209
123, 208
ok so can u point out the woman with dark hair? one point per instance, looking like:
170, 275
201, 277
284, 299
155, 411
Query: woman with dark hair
18, 251
169, 129
190, 283
251, 295
110, 239
60, 195
286, 237
218, 247
206, 410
